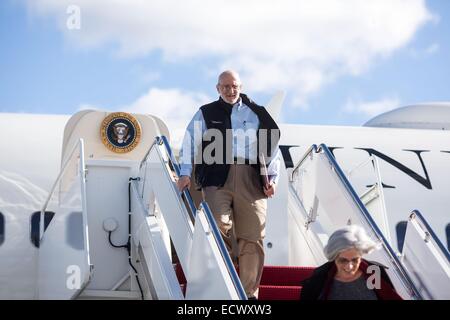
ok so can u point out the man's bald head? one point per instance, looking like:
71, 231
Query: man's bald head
229, 86
227, 74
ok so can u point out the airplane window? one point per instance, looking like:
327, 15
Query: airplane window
447, 232
401, 231
2, 229
35, 225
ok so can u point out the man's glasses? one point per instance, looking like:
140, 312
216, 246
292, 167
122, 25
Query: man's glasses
229, 87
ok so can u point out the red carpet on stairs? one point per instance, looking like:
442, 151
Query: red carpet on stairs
277, 282
273, 292
282, 282
181, 277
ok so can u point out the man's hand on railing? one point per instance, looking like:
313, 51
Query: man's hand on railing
184, 182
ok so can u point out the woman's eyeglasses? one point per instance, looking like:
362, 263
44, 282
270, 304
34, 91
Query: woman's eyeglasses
347, 261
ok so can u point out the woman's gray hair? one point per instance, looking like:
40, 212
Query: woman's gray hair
352, 236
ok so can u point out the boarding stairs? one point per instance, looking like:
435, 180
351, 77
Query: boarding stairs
277, 282
321, 200
117, 228
120, 225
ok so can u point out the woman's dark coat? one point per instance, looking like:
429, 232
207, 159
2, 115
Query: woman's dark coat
318, 286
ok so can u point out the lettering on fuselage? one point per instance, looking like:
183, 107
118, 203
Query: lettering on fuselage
424, 179
286, 153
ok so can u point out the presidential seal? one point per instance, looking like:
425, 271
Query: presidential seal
120, 132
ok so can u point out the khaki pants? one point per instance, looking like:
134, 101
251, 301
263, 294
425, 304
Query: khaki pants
243, 200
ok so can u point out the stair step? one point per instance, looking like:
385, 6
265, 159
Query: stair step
180, 273
181, 277
270, 292
285, 275
183, 289
277, 282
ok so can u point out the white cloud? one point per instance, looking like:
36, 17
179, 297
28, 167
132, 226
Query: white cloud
173, 106
295, 45
371, 108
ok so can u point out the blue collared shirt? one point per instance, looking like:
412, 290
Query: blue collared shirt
244, 124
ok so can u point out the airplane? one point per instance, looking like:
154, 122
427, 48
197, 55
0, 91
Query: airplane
82, 217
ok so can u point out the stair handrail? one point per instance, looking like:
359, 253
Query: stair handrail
159, 259
394, 258
162, 140
405, 278
82, 171
223, 250
428, 230
311, 150
378, 185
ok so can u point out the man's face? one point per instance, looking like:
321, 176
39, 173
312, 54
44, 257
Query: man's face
229, 88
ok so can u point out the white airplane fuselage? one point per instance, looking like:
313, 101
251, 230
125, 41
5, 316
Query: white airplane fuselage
414, 168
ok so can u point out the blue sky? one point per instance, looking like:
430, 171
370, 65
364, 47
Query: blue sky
340, 62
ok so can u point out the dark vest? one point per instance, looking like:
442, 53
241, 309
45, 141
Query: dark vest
217, 115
